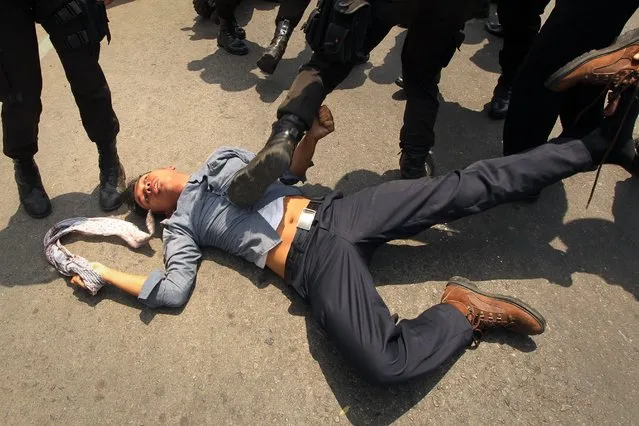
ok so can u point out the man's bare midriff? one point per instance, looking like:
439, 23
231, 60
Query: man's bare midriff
276, 258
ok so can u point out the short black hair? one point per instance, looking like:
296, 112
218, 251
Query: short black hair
129, 197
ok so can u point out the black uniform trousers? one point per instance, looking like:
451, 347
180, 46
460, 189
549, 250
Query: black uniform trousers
333, 274
20, 67
434, 32
226, 8
573, 28
292, 10
521, 21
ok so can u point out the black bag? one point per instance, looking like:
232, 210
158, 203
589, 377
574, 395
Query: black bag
337, 29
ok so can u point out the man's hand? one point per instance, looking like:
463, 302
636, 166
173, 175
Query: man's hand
323, 125
99, 268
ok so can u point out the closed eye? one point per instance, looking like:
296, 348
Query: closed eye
146, 195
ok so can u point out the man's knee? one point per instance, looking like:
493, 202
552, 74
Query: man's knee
381, 368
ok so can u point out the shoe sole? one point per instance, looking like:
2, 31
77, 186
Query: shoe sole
236, 53
38, 216
469, 285
621, 42
250, 183
267, 64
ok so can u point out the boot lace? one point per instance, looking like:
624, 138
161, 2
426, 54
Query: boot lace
480, 320
619, 82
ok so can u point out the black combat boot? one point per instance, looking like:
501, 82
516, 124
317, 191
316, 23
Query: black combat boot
274, 51
239, 31
415, 166
32, 195
500, 102
248, 185
229, 37
112, 177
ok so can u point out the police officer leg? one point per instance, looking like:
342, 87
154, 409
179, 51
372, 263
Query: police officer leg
76, 30
433, 35
288, 16
231, 35
573, 28
295, 115
314, 81
20, 88
521, 21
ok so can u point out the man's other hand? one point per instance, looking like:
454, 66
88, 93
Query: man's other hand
323, 125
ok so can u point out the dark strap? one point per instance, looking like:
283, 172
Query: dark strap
69, 12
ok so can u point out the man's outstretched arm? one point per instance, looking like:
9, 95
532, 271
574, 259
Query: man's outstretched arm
169, 288
128, 283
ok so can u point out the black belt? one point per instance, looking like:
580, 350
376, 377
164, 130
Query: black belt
305, 224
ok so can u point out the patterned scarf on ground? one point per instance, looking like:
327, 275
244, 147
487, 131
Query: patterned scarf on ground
69, 264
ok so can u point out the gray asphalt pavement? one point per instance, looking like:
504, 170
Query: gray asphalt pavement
245, 350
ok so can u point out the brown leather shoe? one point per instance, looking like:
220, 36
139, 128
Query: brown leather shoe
613, 65
485, 310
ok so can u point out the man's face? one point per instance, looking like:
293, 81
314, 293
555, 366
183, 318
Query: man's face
157, 190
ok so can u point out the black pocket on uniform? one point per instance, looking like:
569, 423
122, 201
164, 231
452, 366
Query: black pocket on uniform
335, 44
311, 28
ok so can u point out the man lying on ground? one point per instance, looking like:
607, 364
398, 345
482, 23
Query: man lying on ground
323, 248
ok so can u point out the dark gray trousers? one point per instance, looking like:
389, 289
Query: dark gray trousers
333, 272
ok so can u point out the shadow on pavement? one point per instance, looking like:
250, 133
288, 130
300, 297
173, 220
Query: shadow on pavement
22, 239
515, 241
487, 57
239, 73
391, 68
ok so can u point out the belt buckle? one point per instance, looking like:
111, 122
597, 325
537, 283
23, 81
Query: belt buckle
306, 219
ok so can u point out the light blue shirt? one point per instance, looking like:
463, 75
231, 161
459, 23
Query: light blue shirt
205, 217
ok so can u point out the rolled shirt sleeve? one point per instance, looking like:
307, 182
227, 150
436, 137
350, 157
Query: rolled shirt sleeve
172, 288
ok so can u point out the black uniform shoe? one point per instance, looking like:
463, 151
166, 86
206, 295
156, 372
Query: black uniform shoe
400, 81
33, 197
498, 107
248, 184
239, 31
229, 40
112, 177
274, 51
413, 166
612, 143
494, 28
